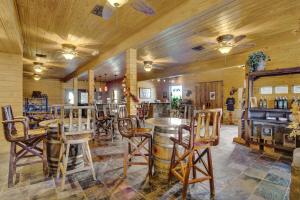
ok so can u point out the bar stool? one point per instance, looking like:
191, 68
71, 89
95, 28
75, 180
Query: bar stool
28, 142
79, 132
137, 139
201, 137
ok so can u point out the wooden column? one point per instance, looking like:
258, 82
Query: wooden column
91, 86
131, 79
75, 90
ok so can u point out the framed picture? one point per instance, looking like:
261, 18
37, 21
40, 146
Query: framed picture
283, 89
253, 102
212, 95
289, 141
145, 93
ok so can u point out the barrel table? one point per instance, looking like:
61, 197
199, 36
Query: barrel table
53, 143
163, 129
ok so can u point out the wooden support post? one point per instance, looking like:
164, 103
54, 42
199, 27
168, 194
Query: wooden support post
75, 90
91, 86
131, 76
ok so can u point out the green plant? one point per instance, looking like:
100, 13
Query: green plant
175, 102
255, 58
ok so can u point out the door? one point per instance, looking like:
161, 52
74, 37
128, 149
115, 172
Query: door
209, 94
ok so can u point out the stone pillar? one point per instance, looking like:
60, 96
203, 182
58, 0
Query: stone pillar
131, 79
91, 83
75, 90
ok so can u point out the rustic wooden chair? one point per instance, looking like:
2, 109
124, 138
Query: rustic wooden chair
28, 142
202, 135
143, 112
104, 122
138, 138
76, 132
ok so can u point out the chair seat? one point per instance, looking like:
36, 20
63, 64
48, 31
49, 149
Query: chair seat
36, 132
140, 132
85, 136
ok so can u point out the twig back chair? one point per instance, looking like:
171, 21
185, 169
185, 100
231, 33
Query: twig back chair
202, 135
104, 122
139, 141
76, 132
28, 142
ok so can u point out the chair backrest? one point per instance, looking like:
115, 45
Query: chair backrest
205, 127
124, 124
55, 111
122, 111
10, 128
79, 124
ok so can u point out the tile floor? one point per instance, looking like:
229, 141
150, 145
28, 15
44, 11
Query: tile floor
239, 175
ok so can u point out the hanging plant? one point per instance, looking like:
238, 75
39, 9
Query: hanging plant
256, 61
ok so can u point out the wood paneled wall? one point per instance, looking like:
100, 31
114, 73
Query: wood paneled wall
51, 87
11, 84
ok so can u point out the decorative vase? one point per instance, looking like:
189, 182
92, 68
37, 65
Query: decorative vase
261, 65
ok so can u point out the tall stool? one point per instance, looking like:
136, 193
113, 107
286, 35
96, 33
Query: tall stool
201, 137
28, 142
137, 140
76, 132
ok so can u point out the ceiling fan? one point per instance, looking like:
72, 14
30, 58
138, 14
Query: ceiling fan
111, 6
149, 65
225, 43
70, 51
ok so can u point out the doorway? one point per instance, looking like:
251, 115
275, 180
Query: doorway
209, 94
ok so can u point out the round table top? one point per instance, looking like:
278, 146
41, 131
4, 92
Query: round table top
52, 123
167, 121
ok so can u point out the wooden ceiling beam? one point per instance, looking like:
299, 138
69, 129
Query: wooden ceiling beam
11, 39
183, 12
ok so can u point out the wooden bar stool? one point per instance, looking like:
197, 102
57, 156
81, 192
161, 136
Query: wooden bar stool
28, 142
202, 135
76, 131
139, 140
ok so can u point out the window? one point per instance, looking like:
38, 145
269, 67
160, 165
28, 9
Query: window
69, 97
176, 91
116, 96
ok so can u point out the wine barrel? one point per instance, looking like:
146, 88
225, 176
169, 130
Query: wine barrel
75, 159
162, 149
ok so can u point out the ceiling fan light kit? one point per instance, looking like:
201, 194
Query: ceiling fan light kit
225, 48
69, 51
148, 66
117, 3
38, 67
36, 77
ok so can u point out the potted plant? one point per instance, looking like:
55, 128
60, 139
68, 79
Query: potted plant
257, 60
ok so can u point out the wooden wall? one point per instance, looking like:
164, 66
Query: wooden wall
51, 87
11, 83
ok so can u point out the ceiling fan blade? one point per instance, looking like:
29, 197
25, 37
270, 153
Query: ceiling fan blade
239, 38
143, 6
28, 73
108, 11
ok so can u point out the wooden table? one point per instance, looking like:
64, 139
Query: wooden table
53, 146
164, 128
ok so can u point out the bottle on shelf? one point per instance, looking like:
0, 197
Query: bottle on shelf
285, 103
261, 104
276, 103
265, 103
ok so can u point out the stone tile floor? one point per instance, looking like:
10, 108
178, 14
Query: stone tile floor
239, 175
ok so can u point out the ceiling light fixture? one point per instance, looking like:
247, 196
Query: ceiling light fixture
148, 66
38, 67
36, 77
225, 48
105, 87
117, 3
69, 51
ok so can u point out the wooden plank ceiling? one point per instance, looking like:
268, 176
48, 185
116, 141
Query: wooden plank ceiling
48, 24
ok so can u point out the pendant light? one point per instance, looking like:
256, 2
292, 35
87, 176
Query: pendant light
100, 89
105, 87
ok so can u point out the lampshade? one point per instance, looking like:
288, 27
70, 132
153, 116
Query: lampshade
68, 55
105, 88
147, 66
100, 89
36, 77
117, 3
225, 49
38, 68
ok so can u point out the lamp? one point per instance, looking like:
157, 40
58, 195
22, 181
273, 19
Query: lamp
105, 87
38, 67
225, 48
147, 66
36, 77
117, 3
